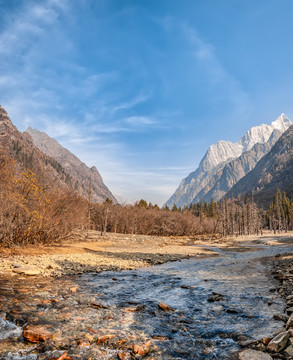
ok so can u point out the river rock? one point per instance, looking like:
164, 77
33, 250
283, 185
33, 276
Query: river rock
36, 334
290, 322
160, 338
124, 356
73, 289
232, 311
217, 308
26, 271
279, 342
143, 349
215, 297
89, 337
105, 338
98, 305
277, 332
279, 317
83, 344
63, 356
187, 287
266, 340
253, 355
289, 350
289, 310
134, 308
165, 307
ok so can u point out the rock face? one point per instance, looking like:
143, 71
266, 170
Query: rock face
80, 174
6, 126
43, 159
20, 148
274, 170
206, 178
233, 171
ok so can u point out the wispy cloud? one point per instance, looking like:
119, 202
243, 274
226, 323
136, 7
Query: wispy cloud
205, 53
29, 21
217, 75
140, 120
129, 104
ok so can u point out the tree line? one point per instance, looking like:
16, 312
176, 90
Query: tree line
279, 216
33, 211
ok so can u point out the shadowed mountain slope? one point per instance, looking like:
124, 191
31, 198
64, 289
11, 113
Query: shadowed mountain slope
68, 173
274, 170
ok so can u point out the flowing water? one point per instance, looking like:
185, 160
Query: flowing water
115, 313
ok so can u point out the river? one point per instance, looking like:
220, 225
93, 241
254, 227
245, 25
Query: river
215, 303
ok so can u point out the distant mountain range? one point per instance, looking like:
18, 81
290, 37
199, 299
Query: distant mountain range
225, 163
46, 157
274, 170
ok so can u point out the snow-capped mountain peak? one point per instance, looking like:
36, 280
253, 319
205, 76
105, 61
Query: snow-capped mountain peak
219, 154
224, 150
282, 123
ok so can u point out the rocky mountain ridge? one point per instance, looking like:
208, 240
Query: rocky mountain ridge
223, 180
20, 147
83, 177
274, 170
197, 184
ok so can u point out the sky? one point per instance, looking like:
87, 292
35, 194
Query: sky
141, 88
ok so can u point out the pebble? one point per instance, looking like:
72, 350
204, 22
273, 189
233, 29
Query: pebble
215, 297
164, 307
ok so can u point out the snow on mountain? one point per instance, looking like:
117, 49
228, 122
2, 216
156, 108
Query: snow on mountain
224, 150
274, 170
218, 155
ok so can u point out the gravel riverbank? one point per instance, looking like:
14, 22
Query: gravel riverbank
280, 345
91, 252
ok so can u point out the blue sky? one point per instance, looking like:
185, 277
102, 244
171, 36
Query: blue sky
141, 88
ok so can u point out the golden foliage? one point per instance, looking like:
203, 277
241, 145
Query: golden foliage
32, 212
